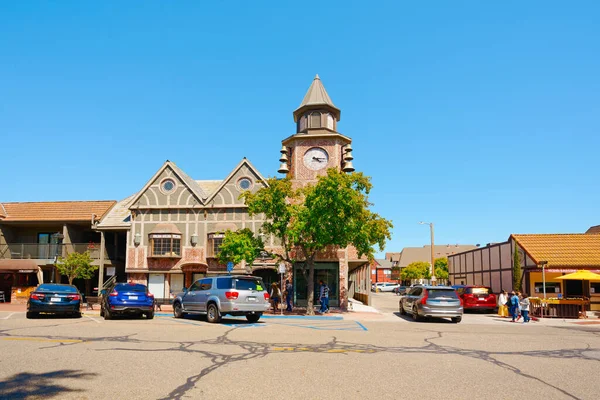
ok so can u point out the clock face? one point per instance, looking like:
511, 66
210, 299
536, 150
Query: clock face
316, 158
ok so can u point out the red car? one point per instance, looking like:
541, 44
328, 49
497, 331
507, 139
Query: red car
476, 297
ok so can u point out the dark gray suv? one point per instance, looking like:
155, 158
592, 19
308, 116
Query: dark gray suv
217, 296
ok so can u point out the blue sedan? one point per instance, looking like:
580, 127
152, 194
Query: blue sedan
54, 298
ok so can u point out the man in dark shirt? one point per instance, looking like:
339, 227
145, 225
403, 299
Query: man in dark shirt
289, 292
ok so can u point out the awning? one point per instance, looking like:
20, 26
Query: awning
22, 266
165, 228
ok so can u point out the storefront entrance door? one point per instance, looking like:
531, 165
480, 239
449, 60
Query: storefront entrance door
156, 285
328, 272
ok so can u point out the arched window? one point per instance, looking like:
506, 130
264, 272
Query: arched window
315, 120
302, 123
330, 121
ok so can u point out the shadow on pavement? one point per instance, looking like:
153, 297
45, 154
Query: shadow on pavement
408, 317
28, 385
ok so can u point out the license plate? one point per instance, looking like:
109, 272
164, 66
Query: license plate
251, 298
444, 303
482, 299
133, 297
54, 299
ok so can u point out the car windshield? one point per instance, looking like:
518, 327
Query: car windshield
249, 284
439, 293
56, 288
478, 290
129, 287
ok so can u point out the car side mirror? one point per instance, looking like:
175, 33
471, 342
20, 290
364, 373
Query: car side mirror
103, 292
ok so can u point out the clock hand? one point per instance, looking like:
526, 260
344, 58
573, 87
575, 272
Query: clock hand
319, 159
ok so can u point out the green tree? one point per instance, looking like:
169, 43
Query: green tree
516, 269
240, 245
415, 270
441, 268
330, 214
76, 265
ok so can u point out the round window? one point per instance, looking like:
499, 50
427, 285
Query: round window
168, 185
245, 183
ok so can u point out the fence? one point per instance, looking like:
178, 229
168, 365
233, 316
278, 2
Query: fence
19, 251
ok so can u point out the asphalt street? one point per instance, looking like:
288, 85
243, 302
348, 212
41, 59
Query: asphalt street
367, 355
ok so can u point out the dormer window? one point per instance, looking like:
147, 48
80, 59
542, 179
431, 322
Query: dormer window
315, 120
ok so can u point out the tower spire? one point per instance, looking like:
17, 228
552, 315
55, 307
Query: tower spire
316, 97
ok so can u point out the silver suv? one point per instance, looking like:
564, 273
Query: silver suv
232, 294
432, 301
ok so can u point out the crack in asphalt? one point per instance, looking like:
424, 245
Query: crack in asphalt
254, 350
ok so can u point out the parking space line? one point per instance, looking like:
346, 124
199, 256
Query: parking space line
93, 319
8, 316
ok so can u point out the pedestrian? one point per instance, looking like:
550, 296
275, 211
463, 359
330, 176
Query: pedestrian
324, 297
519, 296
514, 305
289, 292
502, 300
525, 307
275, 296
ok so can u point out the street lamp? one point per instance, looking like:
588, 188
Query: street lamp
432, 268
543, 264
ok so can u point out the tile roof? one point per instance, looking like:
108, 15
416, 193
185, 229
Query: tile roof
562, 250
56, 210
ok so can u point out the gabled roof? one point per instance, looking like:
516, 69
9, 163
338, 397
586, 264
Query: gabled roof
578, 250
412, 254
594, 229
209, 186
118, 216
191, 184
383, 263
244, 161
317, 96
55, 210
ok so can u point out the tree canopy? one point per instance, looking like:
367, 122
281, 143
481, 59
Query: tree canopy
415, 270
240, 246
441, 268
333, 212
76, 265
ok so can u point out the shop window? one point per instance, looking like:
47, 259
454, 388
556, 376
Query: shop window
215, 241
595, 288
551, 287
165, 245
387, 272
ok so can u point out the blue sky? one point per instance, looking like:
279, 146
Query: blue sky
482, 117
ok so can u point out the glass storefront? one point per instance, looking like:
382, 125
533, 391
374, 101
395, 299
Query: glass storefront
328, 273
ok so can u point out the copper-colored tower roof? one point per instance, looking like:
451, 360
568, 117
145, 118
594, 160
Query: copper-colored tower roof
316, 97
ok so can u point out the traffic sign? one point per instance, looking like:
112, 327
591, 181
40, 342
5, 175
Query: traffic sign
281, 268
229, 266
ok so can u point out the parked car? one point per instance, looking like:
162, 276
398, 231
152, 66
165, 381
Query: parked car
400, 290
432, 301
477, 297
54, 298
388, 287
236, 295
376, 286
127, 299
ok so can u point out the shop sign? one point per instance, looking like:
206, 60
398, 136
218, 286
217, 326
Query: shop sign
26, 271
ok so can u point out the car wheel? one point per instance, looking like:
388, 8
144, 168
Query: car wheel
31, 315
212, 314
456, 320
101, 312
415, 314
178, 310
402, 312
253, 317
76, 315
107, 314
150, 315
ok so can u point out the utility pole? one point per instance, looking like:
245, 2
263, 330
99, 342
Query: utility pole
432, 266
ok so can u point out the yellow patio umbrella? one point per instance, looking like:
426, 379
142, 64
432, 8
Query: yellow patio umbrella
581, 275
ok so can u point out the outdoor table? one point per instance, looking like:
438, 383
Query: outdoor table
558, 308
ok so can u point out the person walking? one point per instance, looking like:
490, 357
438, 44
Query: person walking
275, 296
289, 292
324, 297
514, 306
520, 297
525, 307
502, 300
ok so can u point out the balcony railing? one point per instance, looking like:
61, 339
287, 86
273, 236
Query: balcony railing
49, 251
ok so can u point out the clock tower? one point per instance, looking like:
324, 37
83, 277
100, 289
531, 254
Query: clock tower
316, 145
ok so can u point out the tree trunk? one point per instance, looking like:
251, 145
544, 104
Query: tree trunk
71, 279
310, 295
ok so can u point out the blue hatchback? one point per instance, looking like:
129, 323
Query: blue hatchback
127, 299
